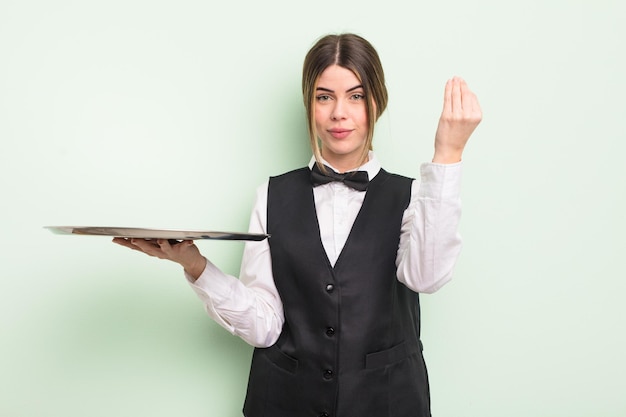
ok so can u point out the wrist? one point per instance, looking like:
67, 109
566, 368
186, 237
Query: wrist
447, 157
195, 268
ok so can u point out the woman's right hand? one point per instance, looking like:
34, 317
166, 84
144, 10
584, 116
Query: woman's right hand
185, 253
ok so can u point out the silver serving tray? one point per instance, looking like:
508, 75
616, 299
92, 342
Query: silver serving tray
142, 233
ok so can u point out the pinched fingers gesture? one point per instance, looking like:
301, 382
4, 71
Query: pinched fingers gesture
460, 116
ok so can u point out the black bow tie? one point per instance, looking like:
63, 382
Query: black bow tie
354, 179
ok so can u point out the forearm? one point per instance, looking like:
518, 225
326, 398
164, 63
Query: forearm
430, 243
249, 312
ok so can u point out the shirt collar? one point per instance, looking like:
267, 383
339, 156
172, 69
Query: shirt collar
372, 166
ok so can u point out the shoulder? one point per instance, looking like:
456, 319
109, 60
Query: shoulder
398, 179
295, 172
289, 176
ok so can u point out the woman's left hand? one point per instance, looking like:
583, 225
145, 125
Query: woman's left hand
460, 116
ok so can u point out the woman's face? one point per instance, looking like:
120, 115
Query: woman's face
341, 117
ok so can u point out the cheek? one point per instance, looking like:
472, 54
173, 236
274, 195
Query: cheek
361, 116
319, 116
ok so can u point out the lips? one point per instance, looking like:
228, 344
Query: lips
340, 133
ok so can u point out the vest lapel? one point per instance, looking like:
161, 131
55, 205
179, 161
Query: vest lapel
367, 202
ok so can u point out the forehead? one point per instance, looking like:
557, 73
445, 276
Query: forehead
339, 77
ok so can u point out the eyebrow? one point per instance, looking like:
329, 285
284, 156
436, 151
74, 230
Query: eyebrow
347, 91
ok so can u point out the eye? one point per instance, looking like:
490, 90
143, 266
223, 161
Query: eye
357, 96
323, 97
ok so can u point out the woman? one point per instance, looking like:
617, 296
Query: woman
330, 301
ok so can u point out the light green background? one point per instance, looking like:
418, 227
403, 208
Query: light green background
146, 113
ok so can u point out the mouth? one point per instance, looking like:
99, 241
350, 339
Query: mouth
340, 133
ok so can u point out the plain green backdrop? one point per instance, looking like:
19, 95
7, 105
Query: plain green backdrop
170, 113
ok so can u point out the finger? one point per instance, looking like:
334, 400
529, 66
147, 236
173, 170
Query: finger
467, 97
447, 97
144, 243
457, 104
126, 243
149, 247
470, 102
164, 244
477, 109
179, 247
123, 242
167, 247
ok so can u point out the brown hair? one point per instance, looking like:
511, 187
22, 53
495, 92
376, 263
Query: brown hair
352, 52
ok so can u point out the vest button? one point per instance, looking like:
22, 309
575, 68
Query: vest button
330, 331
330, 288
328, 374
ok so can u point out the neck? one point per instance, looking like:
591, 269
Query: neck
346, 164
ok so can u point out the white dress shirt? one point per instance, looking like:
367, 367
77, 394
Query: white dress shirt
250, 306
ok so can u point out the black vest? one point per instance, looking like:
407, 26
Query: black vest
350, 343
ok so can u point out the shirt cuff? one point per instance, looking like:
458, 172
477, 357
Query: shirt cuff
440, 181
213, 286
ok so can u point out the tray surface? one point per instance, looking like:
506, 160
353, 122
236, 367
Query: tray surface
143, 233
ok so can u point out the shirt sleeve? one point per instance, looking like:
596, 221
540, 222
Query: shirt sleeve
429, 241
250, 306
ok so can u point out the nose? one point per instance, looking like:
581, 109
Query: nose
338, 112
